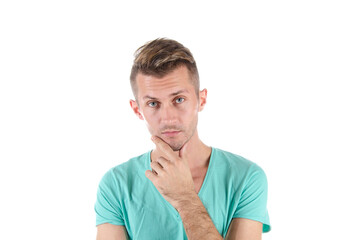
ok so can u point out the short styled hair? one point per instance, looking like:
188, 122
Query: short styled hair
160, 57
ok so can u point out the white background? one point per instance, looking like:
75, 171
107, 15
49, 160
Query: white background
285, 90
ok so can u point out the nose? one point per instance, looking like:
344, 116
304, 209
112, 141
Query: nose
168, 114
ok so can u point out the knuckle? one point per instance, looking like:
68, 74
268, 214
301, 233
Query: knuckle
162, 147
179, 164
157, 182
165, 165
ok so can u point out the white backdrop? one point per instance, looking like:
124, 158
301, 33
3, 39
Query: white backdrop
285, 90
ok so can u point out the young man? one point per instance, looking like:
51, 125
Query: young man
183, 189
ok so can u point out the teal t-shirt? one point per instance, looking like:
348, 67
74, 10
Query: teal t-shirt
233, 187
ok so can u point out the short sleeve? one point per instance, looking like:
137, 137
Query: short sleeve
107, 206
252, 202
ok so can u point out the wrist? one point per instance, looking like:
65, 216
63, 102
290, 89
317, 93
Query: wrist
189, 202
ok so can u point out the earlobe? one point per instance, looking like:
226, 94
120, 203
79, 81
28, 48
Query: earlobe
135, 108
202, 99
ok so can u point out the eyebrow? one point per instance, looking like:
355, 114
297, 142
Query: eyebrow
171, 95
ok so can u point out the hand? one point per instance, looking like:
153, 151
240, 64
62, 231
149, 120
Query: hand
171, 173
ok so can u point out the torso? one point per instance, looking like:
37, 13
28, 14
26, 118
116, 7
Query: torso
199, 173
198, 178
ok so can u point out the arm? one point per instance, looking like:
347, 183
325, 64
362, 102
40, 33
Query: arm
109, 231
196, 220
198, 224
109, 217
244, 229
172, 177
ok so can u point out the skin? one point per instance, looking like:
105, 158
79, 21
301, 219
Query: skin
170, 106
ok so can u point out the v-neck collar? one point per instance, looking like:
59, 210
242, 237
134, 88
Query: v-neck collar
205, 180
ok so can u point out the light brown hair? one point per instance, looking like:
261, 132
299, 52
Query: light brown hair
160, 57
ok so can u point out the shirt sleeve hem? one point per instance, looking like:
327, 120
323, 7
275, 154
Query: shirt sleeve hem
266, 225
111, 222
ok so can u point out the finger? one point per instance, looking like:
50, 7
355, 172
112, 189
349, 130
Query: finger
157, 167
164, 148
163, 162
150, 175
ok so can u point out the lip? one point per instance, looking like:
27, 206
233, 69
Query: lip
170, 133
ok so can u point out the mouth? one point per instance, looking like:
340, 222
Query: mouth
171, 133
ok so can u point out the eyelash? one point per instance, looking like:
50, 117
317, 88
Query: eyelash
180, 98
183, 99
150, 103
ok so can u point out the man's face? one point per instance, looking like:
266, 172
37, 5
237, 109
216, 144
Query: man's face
169, 105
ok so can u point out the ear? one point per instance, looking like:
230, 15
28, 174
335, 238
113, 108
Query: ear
135, 108
202, 99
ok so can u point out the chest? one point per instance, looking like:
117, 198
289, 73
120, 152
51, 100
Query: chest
198, 178
148, 214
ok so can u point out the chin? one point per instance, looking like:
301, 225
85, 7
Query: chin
176, 146
175, 143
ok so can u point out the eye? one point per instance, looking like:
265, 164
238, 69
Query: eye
152, 104
179, 100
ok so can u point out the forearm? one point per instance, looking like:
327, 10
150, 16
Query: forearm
196, 220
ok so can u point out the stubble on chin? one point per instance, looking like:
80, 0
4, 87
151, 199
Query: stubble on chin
175, 145
176, 148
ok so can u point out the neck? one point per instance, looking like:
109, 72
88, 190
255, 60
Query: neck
198, 153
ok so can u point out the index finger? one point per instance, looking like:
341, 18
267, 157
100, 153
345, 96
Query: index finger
164, 148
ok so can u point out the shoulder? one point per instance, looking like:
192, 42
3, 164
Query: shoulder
125, 171
237, 165
235, 161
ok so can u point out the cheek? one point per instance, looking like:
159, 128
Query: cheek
152, 129
195, 109
191, 113
151, 121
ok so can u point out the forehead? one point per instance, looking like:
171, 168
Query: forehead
156, 87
